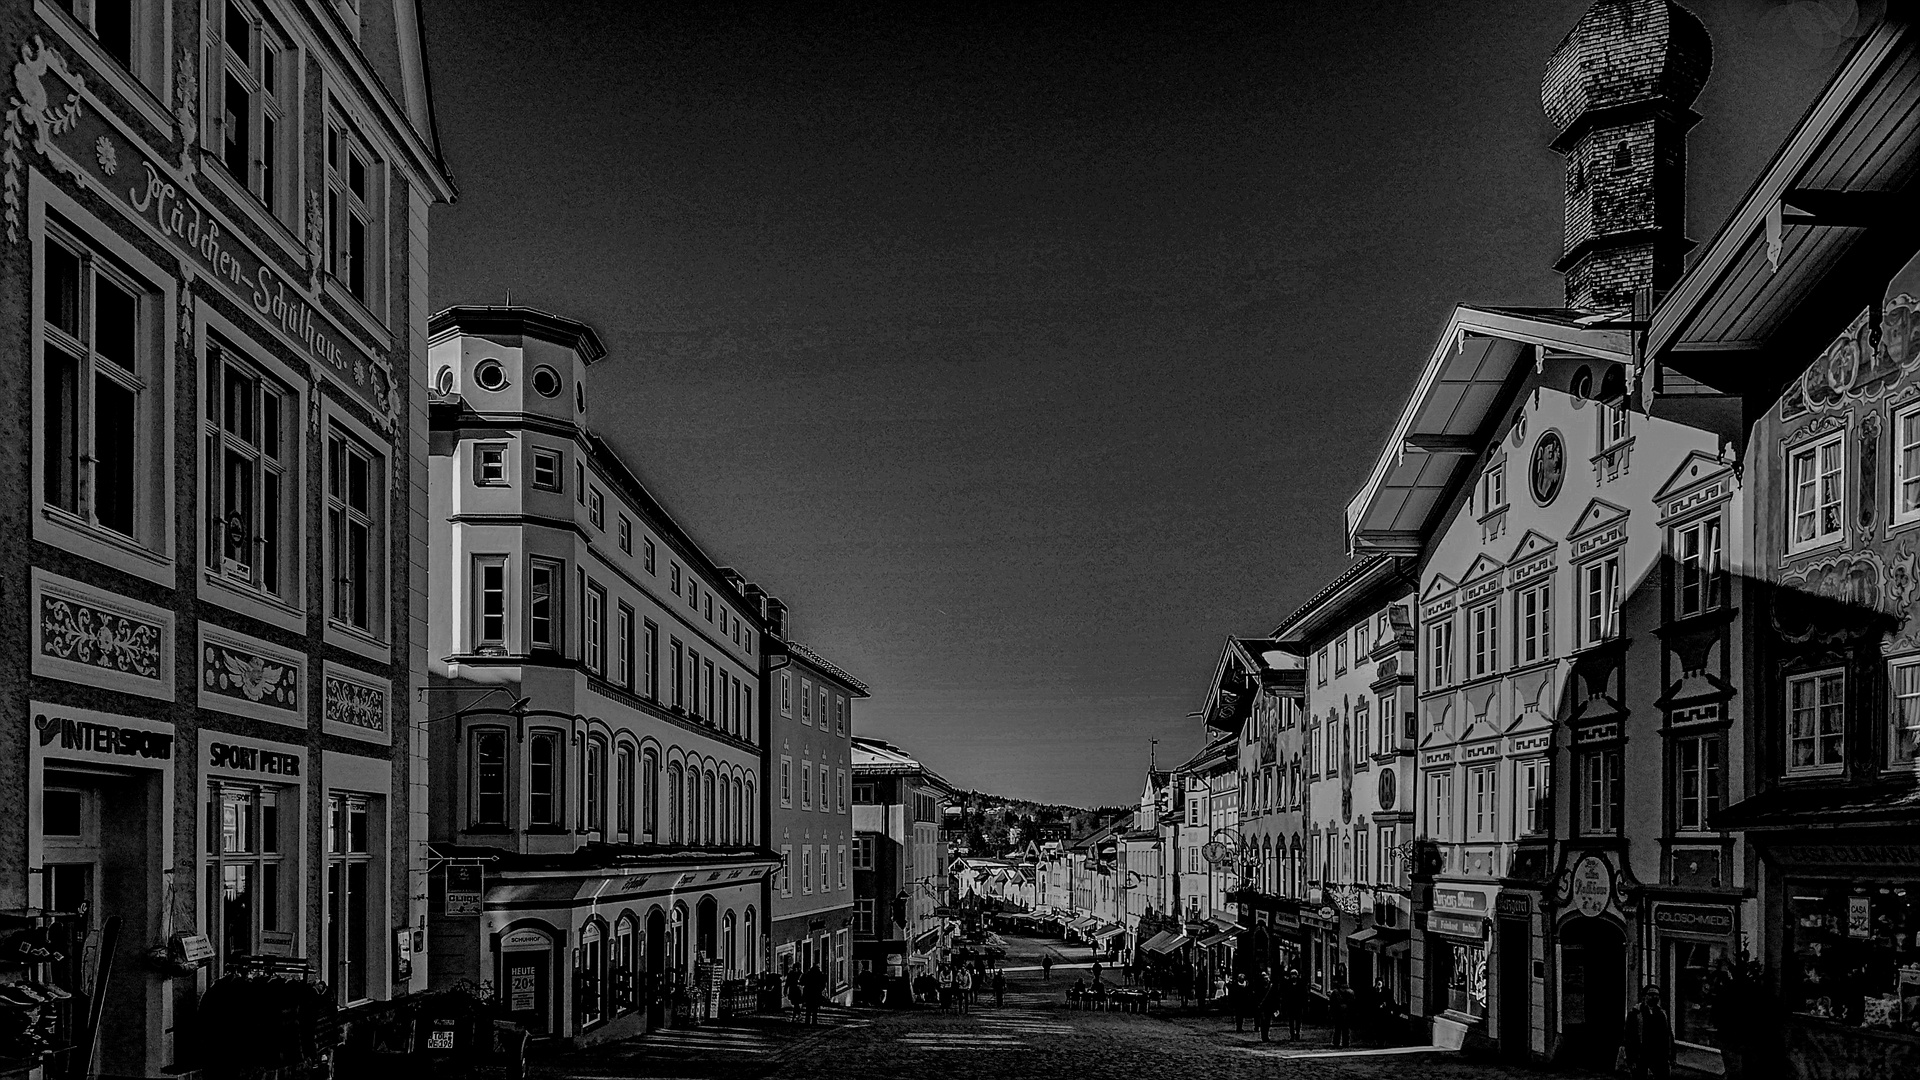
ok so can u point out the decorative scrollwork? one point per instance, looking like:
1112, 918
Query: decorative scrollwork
97, 638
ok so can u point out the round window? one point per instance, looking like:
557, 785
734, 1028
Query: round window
489, 375
444, 383
579, 397
546, 382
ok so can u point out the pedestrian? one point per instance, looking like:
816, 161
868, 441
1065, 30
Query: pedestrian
1270, 1003
1096, 971
963, 985
1296, 997
1647, 1039
793, 991
1340, 1006
813, 988
1237, 1001
1256, 995
1046, 967
999, 987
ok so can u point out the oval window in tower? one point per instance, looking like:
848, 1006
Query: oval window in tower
546, 382
444, 384
489, 375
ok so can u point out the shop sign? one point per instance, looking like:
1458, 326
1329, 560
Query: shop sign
1512, 904
1287, 919
192, 949
249, 759
1327, 913
86, 145
1592, 887
1859, 917
1693, 919
465, 884
111, 740
524, 939
1459, 900
1473, 929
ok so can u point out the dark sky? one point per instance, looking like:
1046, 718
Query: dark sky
1026, 354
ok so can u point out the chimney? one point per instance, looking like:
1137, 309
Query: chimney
1617, 90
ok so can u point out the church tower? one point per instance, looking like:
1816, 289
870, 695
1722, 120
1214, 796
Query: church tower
1617, 89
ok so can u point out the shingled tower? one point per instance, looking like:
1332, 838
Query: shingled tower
1617, 89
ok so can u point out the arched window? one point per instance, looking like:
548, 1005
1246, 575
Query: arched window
1622, 157
726, 808
739, 820
650, 794
750, 943
623, 790
706, 815
749, 817
489, 778
543, 780
679, 937
692, 835
729, 944
593, 803
674, 826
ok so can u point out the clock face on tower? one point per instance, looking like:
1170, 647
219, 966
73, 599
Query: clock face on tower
1549, 468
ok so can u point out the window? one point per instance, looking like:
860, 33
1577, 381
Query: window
490, 465
1362, 728
111, 22
709, 606
1483, 624
1533, 624
1613, 426
710, 701
1389, 873
1320, 666
252, 427
1440, 651
1903, 740
546, 469
352, 175
1493, 487
579, 481
1816, 717
839, 715
96, 409
251, 906
1600, 600
490, 602
597, 510
674, 780
649, 556
1483, 788
693, 593
1440, 805
1388, 706
545, 577
1819, 488
355, 477
1696, 556
1602, 791
786, 781
786, 694
1906, 466
863, 917
1529, 811
676, 674
826, 799
596, 629
840, 786
1361, 867
543, 780
349, 900
673, 577
623, 647
806, 702
593, 799
252, 124
866, 795
623, 789
489, 779
1697, 781
863, 853
1340, 656
786, 869
806, 785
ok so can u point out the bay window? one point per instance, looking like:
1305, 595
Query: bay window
545, 610
1816, 722
543, 780
490, 603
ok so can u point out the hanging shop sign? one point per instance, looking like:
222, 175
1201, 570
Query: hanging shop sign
1592, 887
1693, 919
465, 884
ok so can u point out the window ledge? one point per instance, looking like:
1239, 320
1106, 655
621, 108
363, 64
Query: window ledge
1817, 547
214, 171
355, 640
361, 314
258, 603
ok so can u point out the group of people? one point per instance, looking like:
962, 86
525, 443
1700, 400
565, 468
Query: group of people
959, 986
1263, 996
806, 990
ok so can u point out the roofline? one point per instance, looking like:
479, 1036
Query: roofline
828, 668
418, 144
1809, 137
1612, 345
1356, 580
522, 320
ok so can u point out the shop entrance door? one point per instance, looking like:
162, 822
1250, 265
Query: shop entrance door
1592, 992
1516, 1005
656, 965
528, 978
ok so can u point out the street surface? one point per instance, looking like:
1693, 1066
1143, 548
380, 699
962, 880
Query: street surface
1034, 1034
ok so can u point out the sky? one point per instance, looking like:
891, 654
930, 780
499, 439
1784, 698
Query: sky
1027, 353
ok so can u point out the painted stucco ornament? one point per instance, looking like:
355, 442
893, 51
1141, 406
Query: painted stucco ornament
33, 104
1548, 468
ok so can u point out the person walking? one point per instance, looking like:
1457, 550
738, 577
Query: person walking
1256, 997
1296, 998
1647, 1039
1096, 971
1237, 1001
1046, 967
1273, 987
793, 991
813, 988
1340, 1005
999, 987
963, 987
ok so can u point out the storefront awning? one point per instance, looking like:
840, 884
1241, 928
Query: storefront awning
1084, 922
1108, 932
1168, 945
1153, 943
926, 939
1377, 937
1219, 937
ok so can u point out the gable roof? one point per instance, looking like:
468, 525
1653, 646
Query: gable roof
828, 668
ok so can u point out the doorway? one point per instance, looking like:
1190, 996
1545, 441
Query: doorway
1592, 991
1515, 997
656, 964
528, 977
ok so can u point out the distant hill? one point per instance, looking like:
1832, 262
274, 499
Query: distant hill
982, 824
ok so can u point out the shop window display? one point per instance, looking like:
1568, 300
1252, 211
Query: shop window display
1466, 979
1690, 974
1852, 956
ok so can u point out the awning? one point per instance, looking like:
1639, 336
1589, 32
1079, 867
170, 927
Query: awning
925, 939
1153, 943
1219, 937
1084, 922
1170, 943
1108, 932
1377, 937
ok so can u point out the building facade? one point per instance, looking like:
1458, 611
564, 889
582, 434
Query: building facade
810, 756
900, 863
215, 221
1356, 751
597, 737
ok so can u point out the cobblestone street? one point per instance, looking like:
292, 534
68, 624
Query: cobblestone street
1034, 1034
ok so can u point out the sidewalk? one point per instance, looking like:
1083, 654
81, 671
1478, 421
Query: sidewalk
734, 1049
